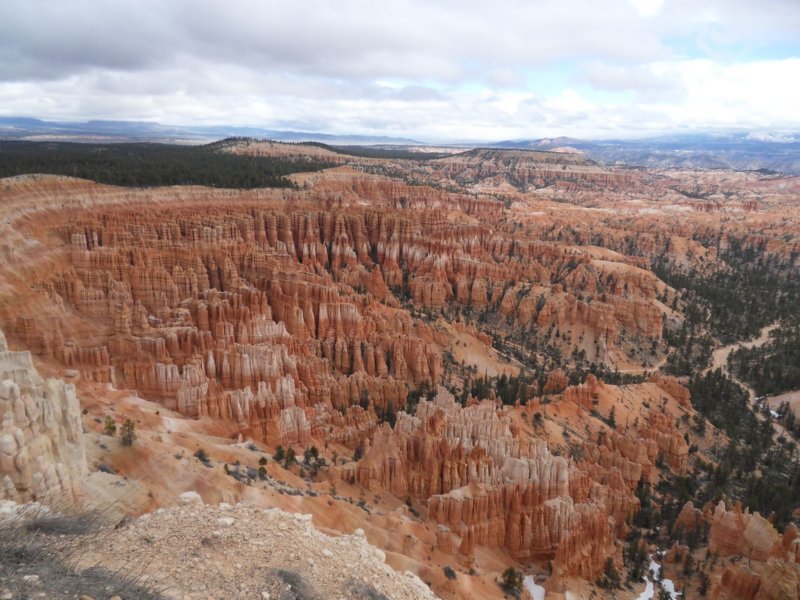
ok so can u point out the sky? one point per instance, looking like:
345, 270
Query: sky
435, 70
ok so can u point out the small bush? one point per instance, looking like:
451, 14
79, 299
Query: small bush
362, 591
511, 581
289, 459
612, 418
127, 434
310, 454
110, 426
202, 456
449, 573
299, 587
610, 579
48, 545
57, 524
280, 454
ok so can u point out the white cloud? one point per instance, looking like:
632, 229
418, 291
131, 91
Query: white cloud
444, 69
647, 8
755, 94
648, 81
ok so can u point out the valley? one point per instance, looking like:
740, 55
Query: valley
483, 367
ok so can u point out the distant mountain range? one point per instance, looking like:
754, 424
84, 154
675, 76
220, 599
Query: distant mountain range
21, 128
779, 152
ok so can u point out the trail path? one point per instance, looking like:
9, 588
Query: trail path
642, 370
719, 359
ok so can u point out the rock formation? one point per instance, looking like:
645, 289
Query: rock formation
556, 382
777, 580
741, 533
41, 436
492, 488
689, 519
198, 309
774, 559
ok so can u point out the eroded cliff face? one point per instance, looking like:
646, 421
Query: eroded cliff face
762, 563
277, 314
489, 483
242, 320
525, 170
773, 580
42, 455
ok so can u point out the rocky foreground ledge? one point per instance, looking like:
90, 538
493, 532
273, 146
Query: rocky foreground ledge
194, 551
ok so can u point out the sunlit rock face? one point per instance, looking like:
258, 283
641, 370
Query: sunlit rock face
42, 456
490, 487
278, 309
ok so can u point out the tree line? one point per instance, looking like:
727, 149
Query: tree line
149, 164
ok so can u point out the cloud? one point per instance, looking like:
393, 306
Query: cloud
350, 38
757, 94
650, 82
441, 69
647, 8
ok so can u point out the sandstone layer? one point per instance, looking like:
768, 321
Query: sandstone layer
42, 455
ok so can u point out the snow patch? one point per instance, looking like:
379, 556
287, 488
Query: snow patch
666, 584
536, 591
648, 592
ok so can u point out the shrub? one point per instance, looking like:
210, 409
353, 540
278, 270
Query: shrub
702, 589
128, 433
38, 542
310, 454
610, 579
449, 573
511, 581
202, 456
612, 418
289, 459
110, 427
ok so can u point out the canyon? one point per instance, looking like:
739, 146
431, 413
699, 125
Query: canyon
374, 311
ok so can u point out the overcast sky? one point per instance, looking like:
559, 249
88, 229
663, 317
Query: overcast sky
432, 70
